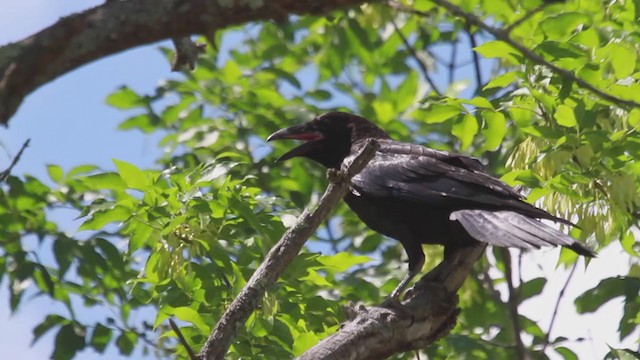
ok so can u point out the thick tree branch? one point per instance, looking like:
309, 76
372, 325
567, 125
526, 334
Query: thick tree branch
280, 257
115, 26
429, 314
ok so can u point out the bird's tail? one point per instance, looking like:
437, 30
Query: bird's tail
511, 229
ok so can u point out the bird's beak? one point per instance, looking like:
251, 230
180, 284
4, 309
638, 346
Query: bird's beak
303, 132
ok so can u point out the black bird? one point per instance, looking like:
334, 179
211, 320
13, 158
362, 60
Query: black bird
419, 195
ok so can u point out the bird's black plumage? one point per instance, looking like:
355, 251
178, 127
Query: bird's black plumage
419, 195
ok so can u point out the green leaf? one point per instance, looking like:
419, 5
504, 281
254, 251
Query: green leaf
143, 122
623, 59
189, 315
63, 253
608, 289
531, 288
621, 354
503, 80
140, 234
104, 181
101, 218
405, 94
634, 117
564, 116
495, 129
55, 173
132, 176
499, 49
559, 50
69, 340
126, 342
562, 25
304, 342
342, 260
320, 95
465, 130
100, 337
43, 279
437, 113
315, 278
566, 353
81, 169
124, 99
49, 322
291, 79
479, 102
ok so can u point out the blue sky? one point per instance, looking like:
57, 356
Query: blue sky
69, 124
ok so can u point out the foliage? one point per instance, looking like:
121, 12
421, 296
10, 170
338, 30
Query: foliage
183, 239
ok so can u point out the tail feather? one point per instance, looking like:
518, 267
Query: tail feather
511, 229
488, 228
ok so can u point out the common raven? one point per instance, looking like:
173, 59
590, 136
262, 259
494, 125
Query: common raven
419, 195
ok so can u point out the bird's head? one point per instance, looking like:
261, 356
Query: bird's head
328, 137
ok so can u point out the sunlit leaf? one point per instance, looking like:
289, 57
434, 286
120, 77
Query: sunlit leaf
564, 116
124, 98
499, 49
465, 130
132, 176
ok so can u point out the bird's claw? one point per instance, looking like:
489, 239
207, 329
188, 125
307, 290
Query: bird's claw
394, 303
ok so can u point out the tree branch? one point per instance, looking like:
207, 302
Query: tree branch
414, 54
183, 341
556, 307
186, 54
429, 314
452, 64
115, 26
5, 174
476, 60
280, 257
513, 303
503, 35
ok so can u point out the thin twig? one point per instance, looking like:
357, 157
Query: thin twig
452, 64
5, 174
414, 54
502, 35
513, 302
333, 242
182, 339
556, 307
476, 60
280, 256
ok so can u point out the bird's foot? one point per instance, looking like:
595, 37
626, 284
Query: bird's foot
336, 176
394, 303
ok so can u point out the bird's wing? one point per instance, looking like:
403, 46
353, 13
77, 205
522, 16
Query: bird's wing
436, 178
